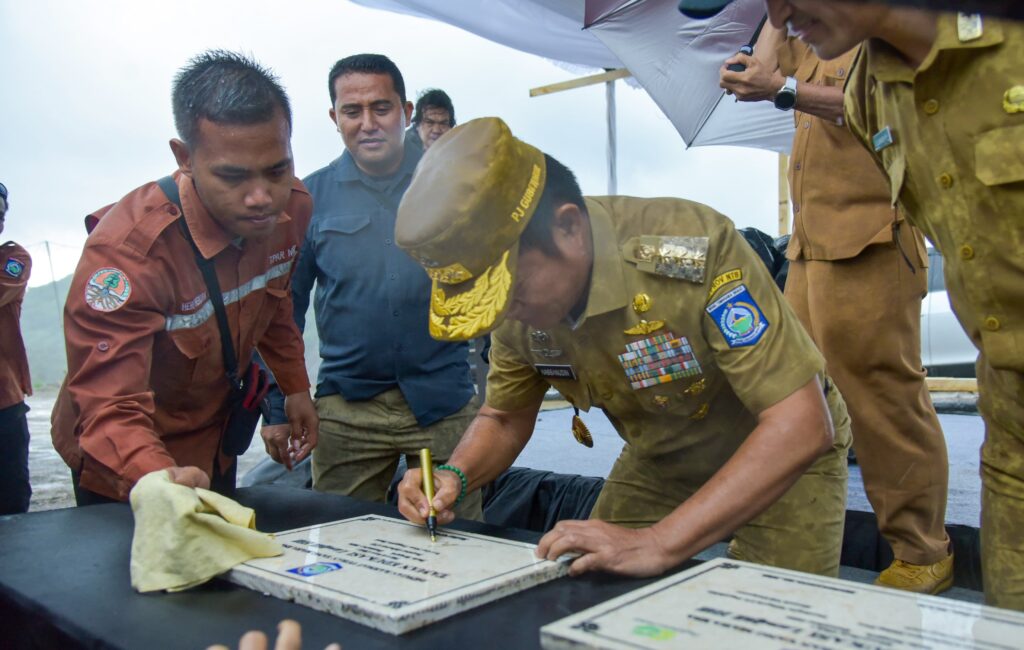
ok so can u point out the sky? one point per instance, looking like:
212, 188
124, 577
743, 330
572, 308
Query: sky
85, 106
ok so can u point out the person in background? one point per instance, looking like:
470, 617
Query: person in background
938, 100
433, 116
15, 382
385, 388
857, 274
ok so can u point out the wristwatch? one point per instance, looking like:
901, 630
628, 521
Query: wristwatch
785, 99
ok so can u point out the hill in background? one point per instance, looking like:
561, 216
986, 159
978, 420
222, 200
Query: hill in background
42, 328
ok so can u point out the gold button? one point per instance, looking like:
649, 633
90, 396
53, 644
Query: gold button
992, 323
946, 181
931, 107
966, 252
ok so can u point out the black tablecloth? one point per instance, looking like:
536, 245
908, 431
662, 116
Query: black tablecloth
64, 583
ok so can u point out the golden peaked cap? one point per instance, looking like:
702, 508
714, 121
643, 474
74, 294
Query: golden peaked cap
472, 195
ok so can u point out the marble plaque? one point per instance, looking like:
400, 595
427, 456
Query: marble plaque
728, 604
386, 573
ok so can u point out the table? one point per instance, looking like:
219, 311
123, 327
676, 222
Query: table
64, 582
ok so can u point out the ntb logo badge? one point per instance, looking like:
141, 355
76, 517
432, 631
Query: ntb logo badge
316, 569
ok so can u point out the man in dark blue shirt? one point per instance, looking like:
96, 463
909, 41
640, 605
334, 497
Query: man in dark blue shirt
385, 386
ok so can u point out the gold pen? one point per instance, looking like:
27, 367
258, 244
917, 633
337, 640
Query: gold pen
427, 467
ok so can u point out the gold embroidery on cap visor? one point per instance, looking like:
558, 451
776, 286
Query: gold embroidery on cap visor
463, 311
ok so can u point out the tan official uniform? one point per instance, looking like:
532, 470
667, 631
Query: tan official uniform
950, 136
714, 315
856, 279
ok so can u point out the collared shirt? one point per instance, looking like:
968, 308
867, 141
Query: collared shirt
372, 299
146, 385
726, 345
956, 126
840, 196
15, 268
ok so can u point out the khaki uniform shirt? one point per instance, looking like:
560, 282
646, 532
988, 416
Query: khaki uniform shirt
146, 386
956, 164
840, 199
735, 346
15, 268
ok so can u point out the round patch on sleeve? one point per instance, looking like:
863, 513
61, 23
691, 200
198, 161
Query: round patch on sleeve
108, 289
14, 268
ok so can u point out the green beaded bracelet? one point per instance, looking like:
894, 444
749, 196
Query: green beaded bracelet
462, 477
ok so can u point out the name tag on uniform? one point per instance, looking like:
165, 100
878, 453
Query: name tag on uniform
551, 371
882, 139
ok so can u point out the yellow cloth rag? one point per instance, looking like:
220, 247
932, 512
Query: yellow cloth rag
185, 536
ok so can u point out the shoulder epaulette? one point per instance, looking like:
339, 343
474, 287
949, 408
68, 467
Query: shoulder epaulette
683, 258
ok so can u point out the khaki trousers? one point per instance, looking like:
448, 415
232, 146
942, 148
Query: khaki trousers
360, 444
864, 314
803, 530
1001, 402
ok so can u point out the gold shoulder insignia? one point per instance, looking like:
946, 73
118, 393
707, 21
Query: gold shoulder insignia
683, 258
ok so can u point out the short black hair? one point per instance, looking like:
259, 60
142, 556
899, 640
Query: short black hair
433, 98
366, 64
560, 187
225, 88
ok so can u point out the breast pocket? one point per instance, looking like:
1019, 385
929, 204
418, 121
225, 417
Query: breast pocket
335, 241
194, 358
271, 303
999, 156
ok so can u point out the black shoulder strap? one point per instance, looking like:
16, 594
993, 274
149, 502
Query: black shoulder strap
206, 267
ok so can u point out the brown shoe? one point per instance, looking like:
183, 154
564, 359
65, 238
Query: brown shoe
919, 578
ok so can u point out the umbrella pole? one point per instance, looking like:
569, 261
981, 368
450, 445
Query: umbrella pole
612, 153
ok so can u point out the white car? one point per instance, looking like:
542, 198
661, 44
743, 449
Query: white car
945, 349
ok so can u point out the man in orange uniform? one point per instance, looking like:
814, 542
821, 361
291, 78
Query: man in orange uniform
146, 388
15, 384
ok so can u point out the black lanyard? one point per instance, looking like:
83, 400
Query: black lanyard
206, 267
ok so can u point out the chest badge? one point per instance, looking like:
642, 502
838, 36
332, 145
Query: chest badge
1013, 100
641, 305
658, 360
969, 27
580, 430
541, 345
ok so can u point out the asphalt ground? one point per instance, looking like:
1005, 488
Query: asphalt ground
551, 448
